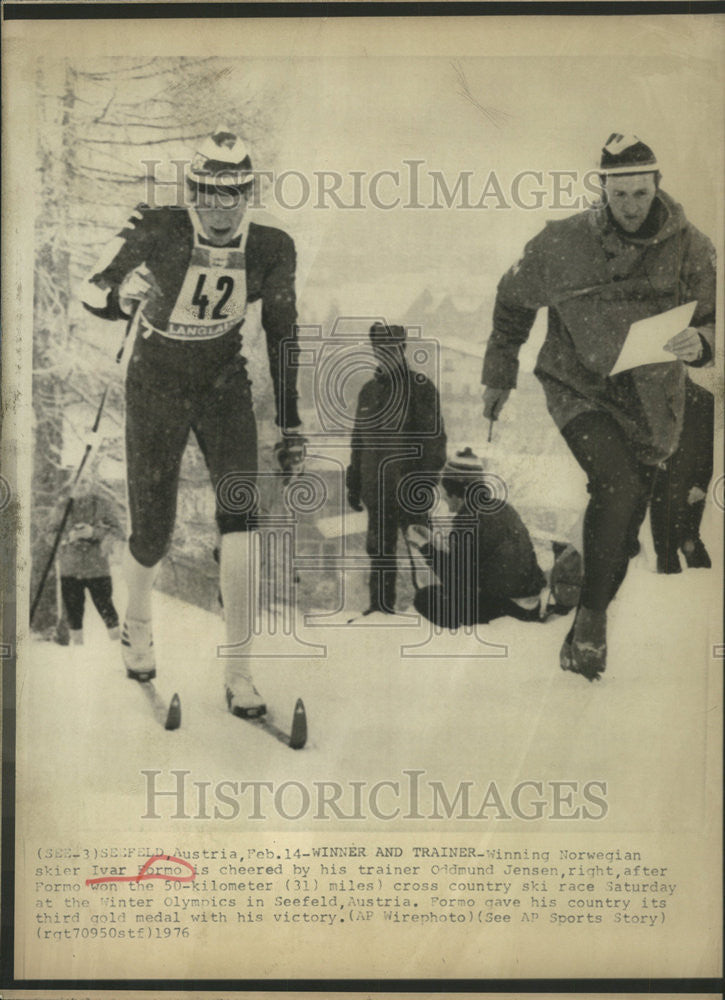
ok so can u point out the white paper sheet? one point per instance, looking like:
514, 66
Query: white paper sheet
646, 338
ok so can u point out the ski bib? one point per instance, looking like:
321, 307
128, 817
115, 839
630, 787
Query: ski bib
213, 297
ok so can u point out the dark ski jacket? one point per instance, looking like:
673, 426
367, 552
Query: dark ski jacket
201, 286
398, 431
596, 280
488, 555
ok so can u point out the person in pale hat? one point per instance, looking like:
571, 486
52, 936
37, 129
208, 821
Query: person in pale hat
487, 567
631, 256
190, 271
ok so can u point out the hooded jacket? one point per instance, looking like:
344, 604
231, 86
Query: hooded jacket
596, 280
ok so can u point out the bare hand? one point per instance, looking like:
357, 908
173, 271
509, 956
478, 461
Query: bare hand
493, 401
419, 535
686, 345
138, 286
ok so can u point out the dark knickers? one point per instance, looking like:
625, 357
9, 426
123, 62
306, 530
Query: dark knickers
173, 388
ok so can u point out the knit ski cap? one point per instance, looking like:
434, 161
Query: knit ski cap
381, 333
464, 466
221, 161
626, 154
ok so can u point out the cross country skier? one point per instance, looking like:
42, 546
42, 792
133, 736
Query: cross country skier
633, 256
193, 270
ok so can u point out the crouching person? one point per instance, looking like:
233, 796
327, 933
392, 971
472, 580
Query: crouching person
487, 567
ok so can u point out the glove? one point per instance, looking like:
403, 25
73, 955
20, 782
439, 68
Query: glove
354, 500
493, 401
290, 453
419, 534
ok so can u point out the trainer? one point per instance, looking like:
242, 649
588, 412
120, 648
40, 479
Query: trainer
631, 256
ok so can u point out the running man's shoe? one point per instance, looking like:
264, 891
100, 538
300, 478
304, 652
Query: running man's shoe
589, 644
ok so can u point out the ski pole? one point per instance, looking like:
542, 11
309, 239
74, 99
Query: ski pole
90, 444
69, 505
133, 321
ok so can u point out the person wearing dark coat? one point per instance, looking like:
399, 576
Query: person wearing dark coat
631, 257
486, 565
681, 485
398, 447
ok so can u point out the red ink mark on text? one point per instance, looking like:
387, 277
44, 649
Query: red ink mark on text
144, 875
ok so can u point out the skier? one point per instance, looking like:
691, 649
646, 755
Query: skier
632, 256
83, 561
681, 485
398, 431
193, 269
487, 566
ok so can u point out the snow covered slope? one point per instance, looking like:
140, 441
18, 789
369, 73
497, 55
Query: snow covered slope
459, 714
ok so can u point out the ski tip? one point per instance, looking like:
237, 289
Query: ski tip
173, 718
298, 734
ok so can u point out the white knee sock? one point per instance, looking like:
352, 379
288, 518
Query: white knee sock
140, 582
238, 587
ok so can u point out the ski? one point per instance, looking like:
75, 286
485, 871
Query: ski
166, 714
295, 738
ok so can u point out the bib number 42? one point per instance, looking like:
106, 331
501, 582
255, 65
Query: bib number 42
225, 285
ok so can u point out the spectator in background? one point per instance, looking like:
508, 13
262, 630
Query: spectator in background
681, 485
487, 566
83, 560
398, 431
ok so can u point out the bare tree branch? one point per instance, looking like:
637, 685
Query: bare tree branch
496, 117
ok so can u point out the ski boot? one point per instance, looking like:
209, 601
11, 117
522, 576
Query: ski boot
137, 649
243, 699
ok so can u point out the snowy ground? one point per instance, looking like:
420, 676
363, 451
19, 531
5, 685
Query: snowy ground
85, 731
